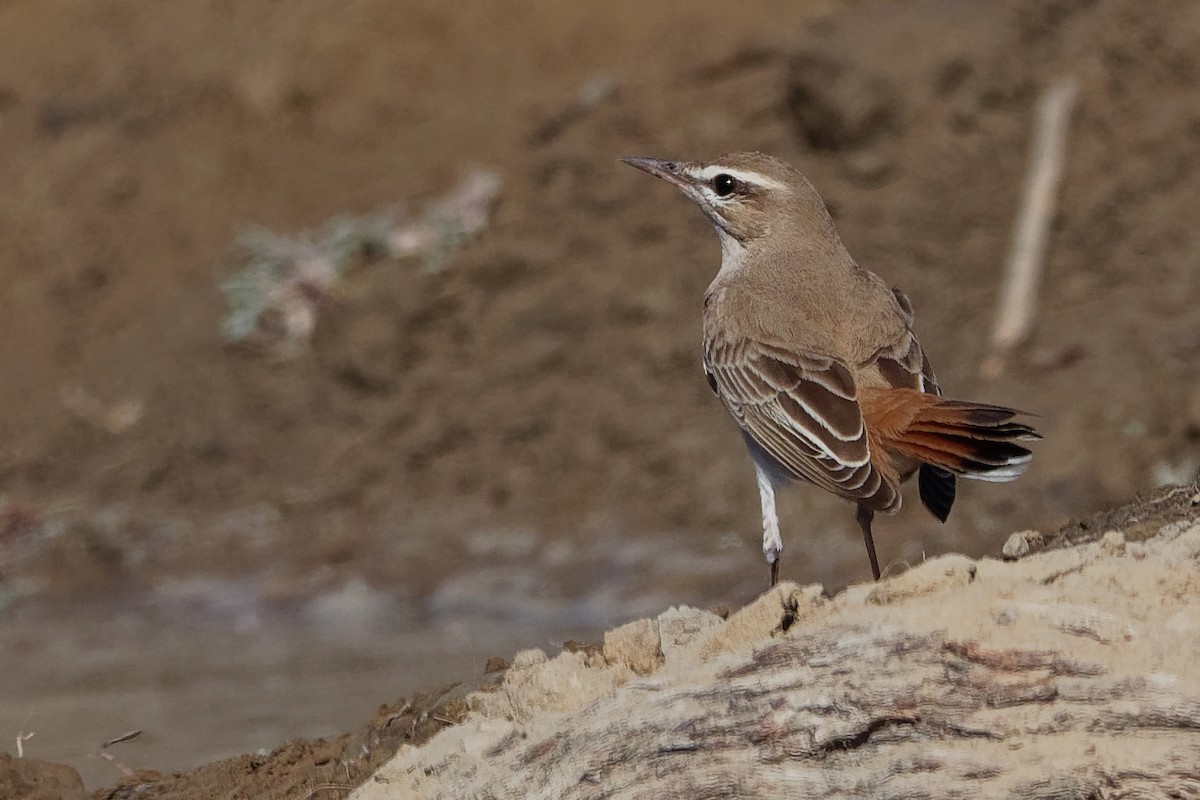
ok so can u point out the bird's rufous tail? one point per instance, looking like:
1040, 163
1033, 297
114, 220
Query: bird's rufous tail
974, 440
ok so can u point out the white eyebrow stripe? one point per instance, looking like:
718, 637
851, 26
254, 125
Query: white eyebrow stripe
746, 176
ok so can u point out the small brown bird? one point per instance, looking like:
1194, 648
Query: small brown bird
816, 359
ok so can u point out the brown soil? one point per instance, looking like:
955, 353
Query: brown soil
303, 769
547, 380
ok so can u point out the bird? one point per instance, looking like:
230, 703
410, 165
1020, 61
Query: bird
816, 359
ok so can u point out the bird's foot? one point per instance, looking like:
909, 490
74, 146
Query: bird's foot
771, 551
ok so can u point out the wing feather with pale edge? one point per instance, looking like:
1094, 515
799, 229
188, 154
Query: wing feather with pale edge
903, 363
802, 409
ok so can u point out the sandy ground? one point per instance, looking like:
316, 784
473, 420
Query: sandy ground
520, 445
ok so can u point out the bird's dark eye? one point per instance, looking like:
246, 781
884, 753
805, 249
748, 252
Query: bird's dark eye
724, 185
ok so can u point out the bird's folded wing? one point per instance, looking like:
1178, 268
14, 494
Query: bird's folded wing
802, 409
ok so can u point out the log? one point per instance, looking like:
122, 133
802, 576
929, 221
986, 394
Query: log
1066, 674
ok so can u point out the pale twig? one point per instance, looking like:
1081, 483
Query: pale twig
22, 738
1035, 212
124, 737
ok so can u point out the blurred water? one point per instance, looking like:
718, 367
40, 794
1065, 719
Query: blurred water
210, 667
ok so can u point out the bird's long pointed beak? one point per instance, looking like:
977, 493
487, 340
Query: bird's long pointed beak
667, 170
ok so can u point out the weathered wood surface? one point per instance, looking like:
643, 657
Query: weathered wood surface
1069, 674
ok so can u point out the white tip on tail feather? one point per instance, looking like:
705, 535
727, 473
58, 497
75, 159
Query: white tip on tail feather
1010, 471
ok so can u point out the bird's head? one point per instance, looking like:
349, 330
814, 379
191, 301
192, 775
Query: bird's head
747, 196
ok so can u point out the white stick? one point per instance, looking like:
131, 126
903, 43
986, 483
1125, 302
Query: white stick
1036, 210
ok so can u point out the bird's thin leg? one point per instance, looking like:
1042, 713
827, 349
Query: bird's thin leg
772, 542
864, 516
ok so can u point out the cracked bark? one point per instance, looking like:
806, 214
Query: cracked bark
905, 716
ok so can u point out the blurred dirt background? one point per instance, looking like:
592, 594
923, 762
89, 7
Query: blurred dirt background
519, 448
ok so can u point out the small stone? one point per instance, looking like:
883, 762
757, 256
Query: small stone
38, 780
1017, 546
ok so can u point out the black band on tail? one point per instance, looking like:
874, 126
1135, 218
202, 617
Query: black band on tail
937, 490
